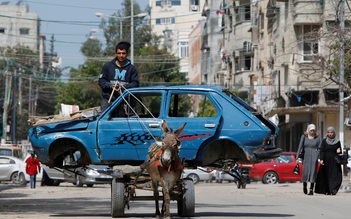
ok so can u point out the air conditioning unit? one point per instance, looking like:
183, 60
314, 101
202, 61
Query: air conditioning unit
194, 7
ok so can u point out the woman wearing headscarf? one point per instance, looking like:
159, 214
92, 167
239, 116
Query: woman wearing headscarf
308, 153
329, 177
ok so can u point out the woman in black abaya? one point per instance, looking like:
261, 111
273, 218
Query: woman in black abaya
329, 177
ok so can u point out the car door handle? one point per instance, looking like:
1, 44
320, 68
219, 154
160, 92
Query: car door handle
210, 125
154, 125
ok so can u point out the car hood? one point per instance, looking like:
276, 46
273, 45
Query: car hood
62, 126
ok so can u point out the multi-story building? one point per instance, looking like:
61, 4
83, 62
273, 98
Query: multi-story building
274, 55
175, 20
19, 27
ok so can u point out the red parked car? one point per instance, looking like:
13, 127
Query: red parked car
276, 170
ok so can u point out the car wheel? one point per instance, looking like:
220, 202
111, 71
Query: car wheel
15, 178
56, 182
90, 185
194, 177
270, 178
22, 179
79, 182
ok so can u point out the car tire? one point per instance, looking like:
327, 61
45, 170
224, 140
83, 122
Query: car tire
194, 177
90, 185
56, 182
79, 182
186, 203
270, 177
22, 179
15, 178
117, 198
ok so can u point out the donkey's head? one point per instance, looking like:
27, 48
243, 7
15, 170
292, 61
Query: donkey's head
170, 144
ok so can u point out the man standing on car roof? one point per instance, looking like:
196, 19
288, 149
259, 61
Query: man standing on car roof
117, 75
32, 169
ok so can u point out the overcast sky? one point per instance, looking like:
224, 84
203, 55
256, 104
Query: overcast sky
70, 21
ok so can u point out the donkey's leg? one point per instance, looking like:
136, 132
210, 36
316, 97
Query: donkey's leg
166, 201
156, 197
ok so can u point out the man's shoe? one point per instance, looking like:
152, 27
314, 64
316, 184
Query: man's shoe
311, 192
305, 190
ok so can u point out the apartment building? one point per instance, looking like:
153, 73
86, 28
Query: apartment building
19, 27
273, 54
174, 20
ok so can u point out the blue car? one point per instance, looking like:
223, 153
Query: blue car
219, 125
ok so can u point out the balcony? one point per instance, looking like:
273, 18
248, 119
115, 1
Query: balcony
307, 12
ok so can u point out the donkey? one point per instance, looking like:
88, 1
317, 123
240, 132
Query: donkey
165, 167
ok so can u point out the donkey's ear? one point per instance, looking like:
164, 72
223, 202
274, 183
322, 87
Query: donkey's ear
164, 126
180, 129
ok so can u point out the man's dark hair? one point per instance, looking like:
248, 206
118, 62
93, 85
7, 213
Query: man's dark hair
123, 45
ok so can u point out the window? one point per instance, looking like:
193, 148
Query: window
166, 20
191, 106
24, 31
243, 13
168, 2
309, 37
183, 49
146, 105
2, 30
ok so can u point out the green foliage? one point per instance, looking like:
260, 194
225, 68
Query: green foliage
210, 109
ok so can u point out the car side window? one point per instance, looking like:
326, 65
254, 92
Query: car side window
191, 106
4, 160
145, 105
284, 159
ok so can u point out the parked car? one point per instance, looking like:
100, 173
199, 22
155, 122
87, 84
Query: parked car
277, 170
12, 169
79, 176
198, 174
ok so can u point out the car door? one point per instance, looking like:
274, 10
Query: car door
128, 138
284, 166
200, 113
7, 167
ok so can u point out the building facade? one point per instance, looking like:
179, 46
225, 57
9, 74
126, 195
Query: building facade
175, 20
19, 27
275, 53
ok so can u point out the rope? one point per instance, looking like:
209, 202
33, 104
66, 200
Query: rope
130, 107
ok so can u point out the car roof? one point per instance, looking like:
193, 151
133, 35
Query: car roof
14, 158
181, 87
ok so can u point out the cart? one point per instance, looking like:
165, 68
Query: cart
126, 182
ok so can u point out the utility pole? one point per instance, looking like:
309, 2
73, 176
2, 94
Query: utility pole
341, 76
13, 108
132, 31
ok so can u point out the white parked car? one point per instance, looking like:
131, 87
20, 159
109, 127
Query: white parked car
198, 174
13, 169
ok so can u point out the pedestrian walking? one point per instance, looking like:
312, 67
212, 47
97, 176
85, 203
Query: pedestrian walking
32, 169
329, 176
308, 153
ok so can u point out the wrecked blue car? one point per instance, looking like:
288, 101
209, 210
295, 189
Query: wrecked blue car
219, 125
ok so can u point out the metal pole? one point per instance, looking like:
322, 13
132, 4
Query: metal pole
120, 29
132, 31
341, 77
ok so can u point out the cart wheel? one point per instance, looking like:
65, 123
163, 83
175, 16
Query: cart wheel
186, 203
117, 198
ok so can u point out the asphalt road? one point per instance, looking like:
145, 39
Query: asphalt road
213, 201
